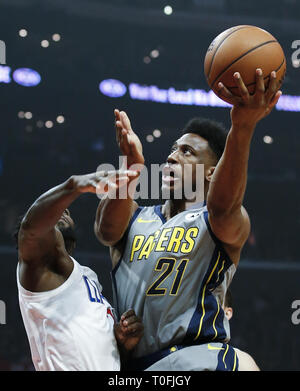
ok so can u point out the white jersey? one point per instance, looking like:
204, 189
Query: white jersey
70, 328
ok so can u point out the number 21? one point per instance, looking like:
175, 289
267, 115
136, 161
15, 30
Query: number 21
155, 288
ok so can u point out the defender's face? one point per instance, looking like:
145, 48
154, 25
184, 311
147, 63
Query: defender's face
66, 221
186, 153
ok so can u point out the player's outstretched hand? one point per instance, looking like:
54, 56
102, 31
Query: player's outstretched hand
101, 182
129, 330
249, 109
128, 142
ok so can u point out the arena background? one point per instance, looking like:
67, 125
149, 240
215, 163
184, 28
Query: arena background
115, 39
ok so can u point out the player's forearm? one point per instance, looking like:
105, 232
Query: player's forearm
112, 219
45, 212
228, 185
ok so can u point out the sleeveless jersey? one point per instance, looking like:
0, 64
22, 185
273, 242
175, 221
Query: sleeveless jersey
174, 274
70, 328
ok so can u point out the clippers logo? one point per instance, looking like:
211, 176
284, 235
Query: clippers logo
112, 88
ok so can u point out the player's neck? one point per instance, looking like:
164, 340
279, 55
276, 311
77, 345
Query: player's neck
172, 207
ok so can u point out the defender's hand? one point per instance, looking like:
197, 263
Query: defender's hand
101, 182
128, 142
249, 109
129, 330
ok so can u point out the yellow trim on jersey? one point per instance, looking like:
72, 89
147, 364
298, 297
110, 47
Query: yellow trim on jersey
214, 322
234, 364
203, 295
140, 220
223, 264
225, 356
214, 347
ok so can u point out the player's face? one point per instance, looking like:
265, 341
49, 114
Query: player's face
67, 228
186, 153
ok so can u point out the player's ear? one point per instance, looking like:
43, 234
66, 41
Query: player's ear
209, 172
228, 312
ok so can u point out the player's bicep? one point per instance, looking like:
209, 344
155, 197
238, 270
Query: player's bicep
231, 228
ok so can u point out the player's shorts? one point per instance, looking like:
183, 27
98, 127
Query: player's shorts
213, 356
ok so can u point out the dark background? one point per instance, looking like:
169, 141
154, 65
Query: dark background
109, 39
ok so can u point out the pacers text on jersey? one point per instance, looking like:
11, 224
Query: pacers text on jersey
172, 239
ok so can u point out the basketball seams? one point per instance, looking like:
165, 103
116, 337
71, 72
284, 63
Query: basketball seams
241, 56
217, 48
254, 82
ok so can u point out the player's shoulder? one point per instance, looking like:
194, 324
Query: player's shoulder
246, 361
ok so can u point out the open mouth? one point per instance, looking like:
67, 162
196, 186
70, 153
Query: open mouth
169, 175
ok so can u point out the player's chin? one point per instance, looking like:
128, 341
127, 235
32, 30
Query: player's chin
171, 190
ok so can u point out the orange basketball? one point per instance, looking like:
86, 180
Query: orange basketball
243, 49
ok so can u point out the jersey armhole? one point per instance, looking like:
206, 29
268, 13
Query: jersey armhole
217, 241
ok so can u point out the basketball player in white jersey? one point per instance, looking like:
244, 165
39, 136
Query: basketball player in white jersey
174, 262
69, 323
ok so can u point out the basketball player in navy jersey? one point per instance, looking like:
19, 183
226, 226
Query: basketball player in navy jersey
69, 323
173, 263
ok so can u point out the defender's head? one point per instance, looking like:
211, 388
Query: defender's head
65, 225
228, 305
202, 142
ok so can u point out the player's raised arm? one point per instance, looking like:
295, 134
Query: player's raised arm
113, 215
228, 219
39, 240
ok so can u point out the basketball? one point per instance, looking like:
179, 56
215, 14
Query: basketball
243, 49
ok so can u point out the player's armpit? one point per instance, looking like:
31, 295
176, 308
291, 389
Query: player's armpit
232, 228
